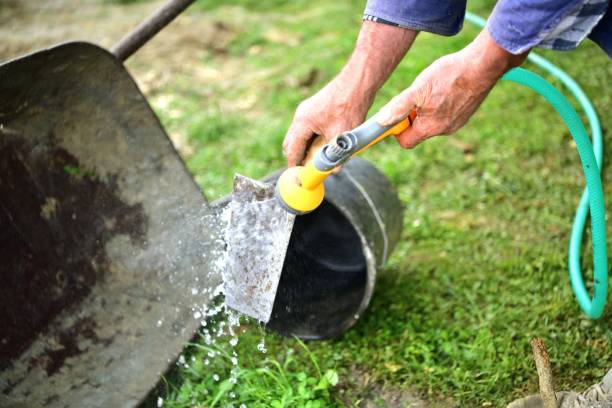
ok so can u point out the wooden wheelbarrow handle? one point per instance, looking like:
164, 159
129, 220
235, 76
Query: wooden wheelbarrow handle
129, 44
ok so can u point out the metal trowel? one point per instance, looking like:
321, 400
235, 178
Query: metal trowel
257, 238
262, 215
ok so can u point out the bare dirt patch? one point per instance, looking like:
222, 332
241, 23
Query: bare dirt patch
177, 51
174, 57
375, 395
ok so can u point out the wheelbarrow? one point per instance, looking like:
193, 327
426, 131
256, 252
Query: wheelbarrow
105, 239
108, 246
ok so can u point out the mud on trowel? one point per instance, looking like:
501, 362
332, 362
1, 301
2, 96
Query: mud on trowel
261, 216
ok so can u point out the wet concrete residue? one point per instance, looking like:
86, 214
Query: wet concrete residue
56, 215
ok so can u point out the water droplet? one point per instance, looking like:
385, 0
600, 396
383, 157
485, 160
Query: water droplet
216, 377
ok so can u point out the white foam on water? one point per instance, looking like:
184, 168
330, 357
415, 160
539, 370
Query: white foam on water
218, 324
261, 346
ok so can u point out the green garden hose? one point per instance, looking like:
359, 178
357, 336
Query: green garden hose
591, 157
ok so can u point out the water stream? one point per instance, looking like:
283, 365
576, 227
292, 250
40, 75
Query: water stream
220, 326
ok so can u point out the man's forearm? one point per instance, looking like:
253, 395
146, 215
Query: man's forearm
489, 59
379, 48
343, 103
450, 90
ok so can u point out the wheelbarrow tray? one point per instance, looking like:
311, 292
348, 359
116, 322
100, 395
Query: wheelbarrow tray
106, 242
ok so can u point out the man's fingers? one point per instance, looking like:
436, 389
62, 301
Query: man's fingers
397, 108
295, 143
414, 135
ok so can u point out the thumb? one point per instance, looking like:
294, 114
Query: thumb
397, 108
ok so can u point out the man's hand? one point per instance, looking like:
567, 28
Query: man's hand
449, 91
328, 113
343, 103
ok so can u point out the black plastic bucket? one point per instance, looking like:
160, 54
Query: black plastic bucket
334, 252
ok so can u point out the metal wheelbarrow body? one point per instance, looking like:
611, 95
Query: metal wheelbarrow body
107, 243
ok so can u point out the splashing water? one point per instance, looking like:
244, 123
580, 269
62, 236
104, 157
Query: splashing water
219, 327
261, 346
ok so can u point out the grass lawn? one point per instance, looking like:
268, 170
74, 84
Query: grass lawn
481, 267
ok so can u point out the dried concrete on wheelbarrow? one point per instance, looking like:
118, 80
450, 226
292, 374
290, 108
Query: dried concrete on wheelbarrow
105, 235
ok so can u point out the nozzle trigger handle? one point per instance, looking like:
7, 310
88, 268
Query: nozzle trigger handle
355, 141
371, 132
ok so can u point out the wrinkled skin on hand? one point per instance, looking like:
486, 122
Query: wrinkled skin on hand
445, 95
327, 113
448, 92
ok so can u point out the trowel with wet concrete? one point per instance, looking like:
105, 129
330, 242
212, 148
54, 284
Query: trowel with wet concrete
261, 216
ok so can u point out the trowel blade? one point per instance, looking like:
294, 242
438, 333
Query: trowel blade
257, 239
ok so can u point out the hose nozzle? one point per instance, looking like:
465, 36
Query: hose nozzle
339, 148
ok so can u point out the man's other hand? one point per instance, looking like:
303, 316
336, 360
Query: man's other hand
448, 92
328, 113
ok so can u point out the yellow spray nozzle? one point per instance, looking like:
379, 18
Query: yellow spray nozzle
300, 189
